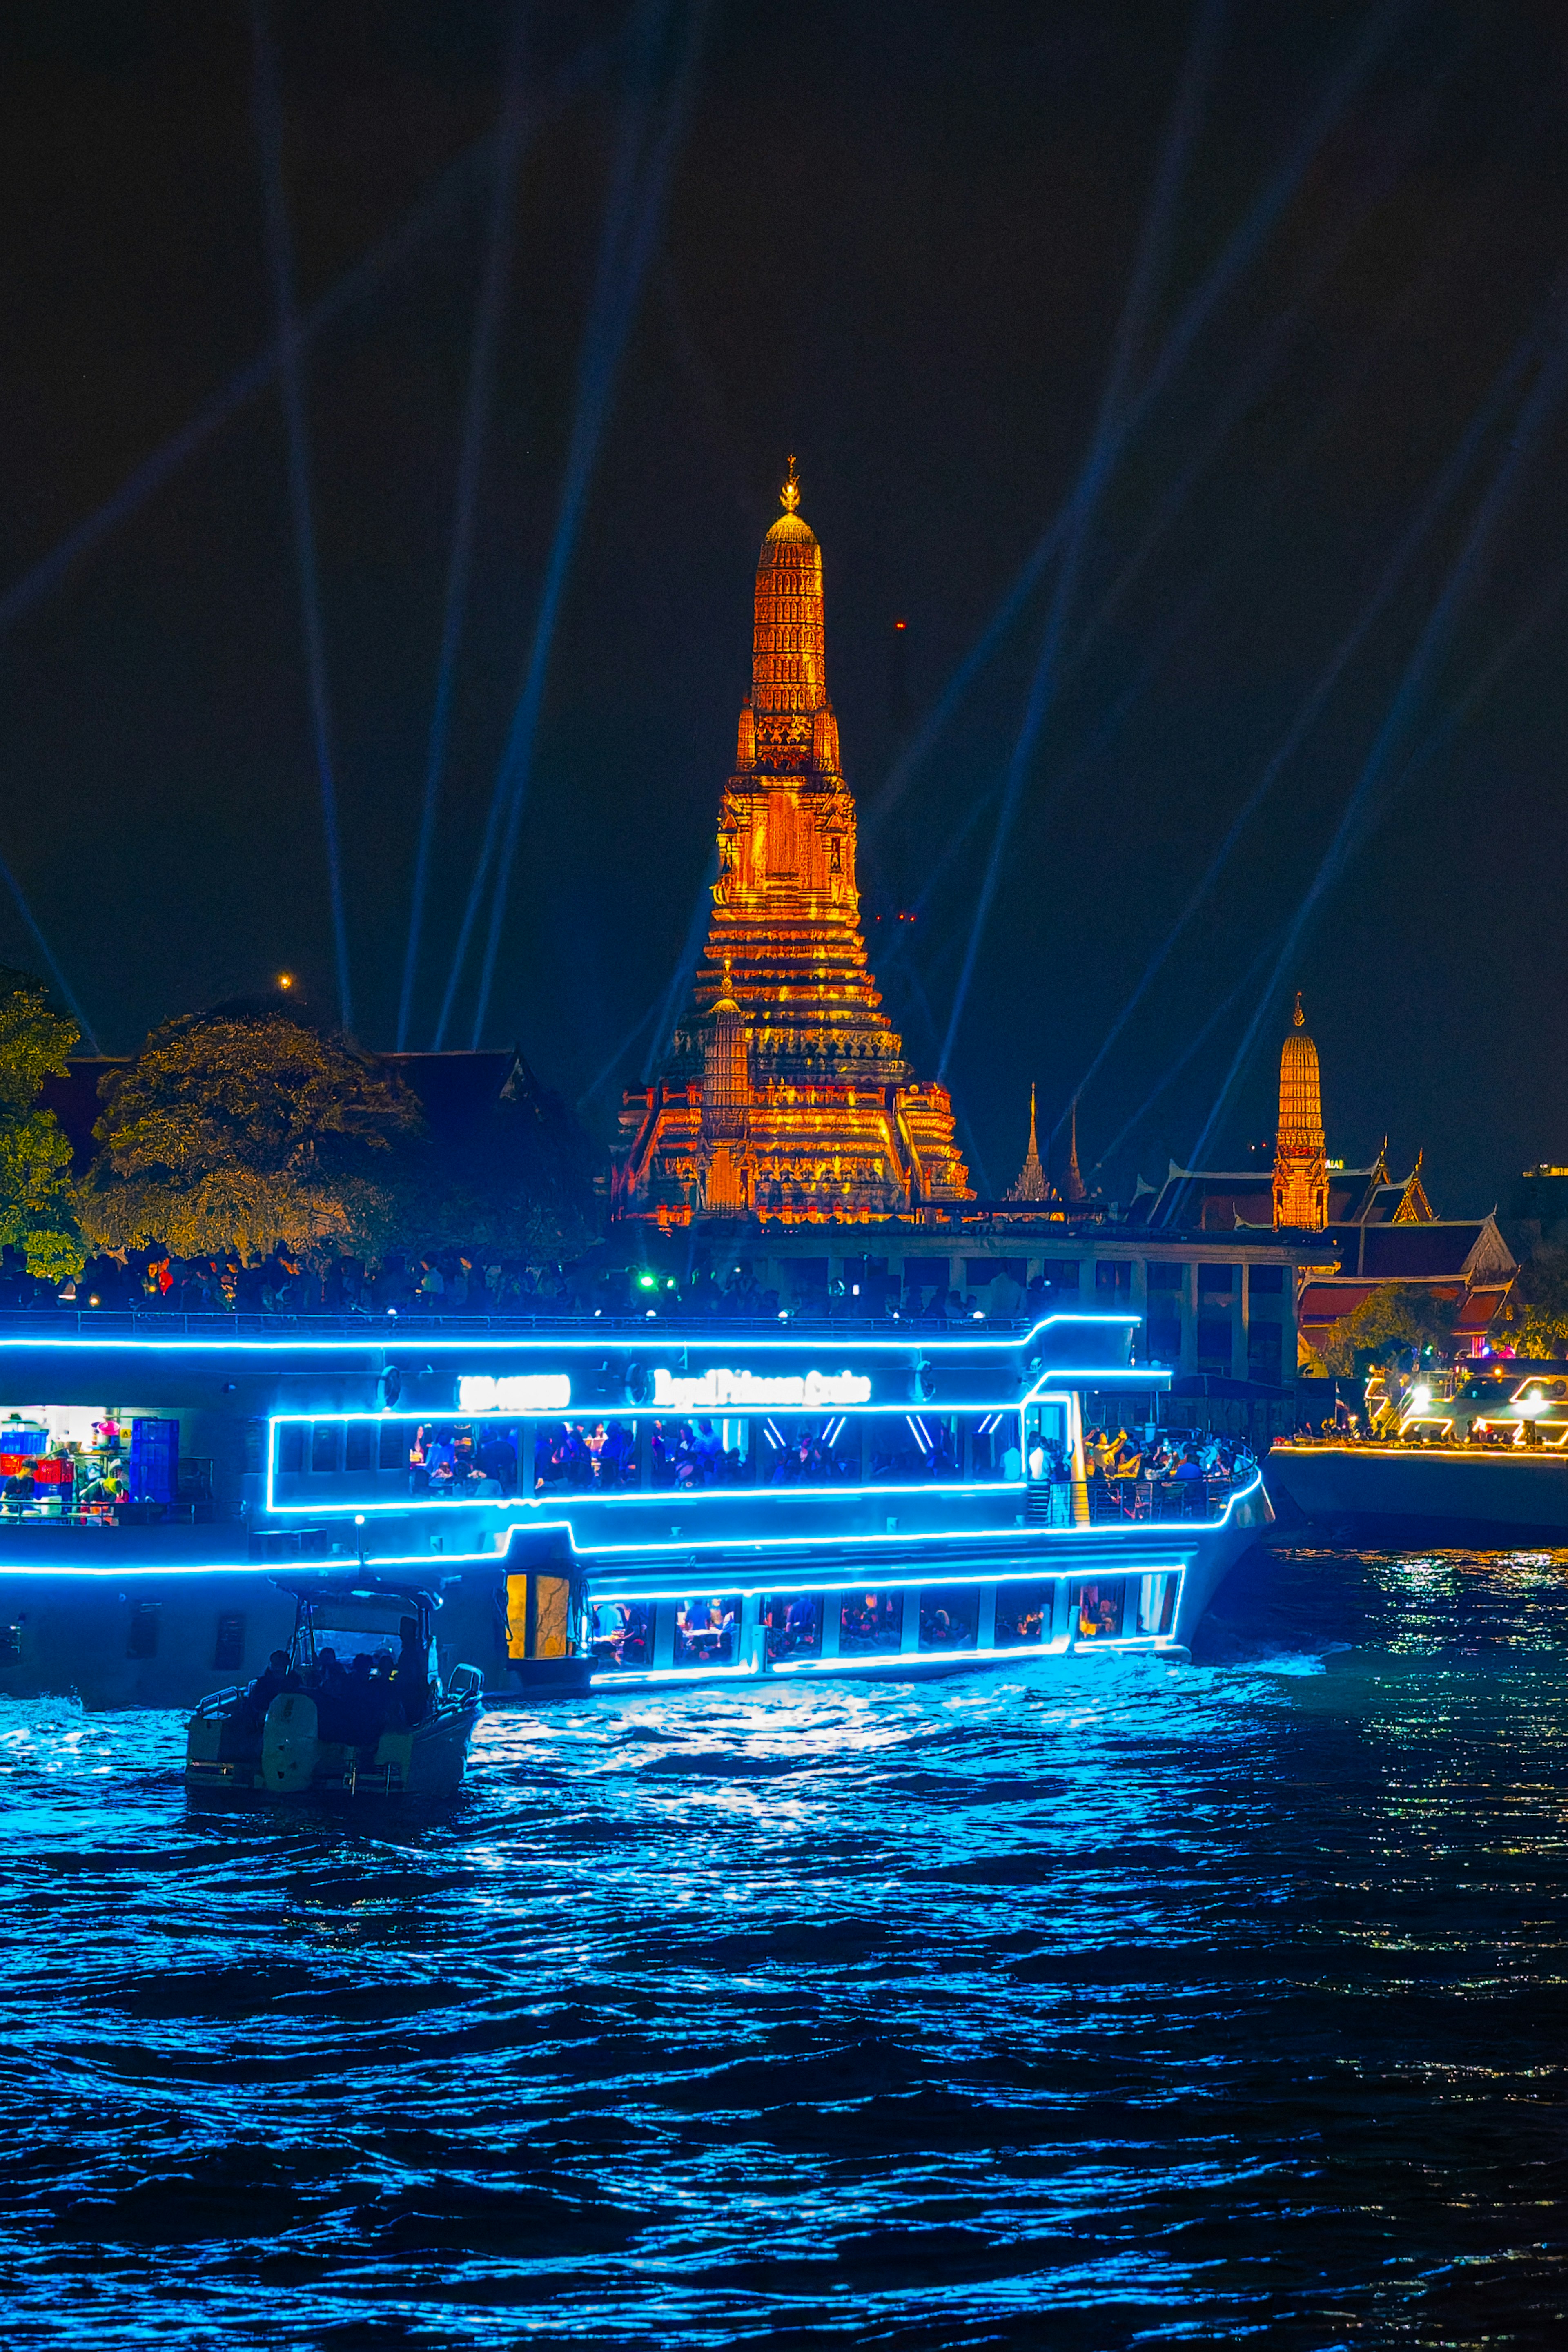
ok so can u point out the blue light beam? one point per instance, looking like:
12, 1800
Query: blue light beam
1105, 445
290, 379
1543, 397
443, 204
632, 217
47, 951
1240, 250
1446, 486
511, 142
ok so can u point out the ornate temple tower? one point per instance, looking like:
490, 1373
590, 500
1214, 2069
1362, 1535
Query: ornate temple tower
1031, 1183
785, 1090
1301, 1171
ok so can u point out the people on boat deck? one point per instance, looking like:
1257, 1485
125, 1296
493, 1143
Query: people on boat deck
275, 1677
410, 1675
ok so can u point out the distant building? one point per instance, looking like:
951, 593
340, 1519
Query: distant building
1374, 1228
785, 1093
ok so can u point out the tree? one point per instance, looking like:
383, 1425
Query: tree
245, 1131
1533, 1318
1396, 1316
513, 1181
37, 1213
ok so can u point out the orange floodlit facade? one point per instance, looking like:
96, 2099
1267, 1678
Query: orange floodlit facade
785, 1092
1300, 1169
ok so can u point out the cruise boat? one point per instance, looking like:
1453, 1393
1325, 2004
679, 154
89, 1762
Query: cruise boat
1476, 1456
600, 1505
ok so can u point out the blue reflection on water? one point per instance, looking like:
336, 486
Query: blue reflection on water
1128, 2004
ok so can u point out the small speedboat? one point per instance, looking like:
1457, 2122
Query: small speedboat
355, 1707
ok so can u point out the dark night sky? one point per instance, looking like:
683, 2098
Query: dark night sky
897, 241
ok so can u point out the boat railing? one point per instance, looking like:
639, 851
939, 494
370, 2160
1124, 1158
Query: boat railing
106, 1322
219, 1701
1122, 1502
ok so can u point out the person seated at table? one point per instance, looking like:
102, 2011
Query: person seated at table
618, 1459
857, 1622
496, 1458
1129, 1464
1189, 1466
108, 1488
701, 1625
16, 1494
611, 1623
800, 1621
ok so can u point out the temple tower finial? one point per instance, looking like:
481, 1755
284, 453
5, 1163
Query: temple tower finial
1298, 1019
789, 495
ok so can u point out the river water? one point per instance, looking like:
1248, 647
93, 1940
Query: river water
1138, 2006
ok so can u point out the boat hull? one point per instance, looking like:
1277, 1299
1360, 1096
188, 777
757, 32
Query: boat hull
230, 1758
164, 1633
1427, 1493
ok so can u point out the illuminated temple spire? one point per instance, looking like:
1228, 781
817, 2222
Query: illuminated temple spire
1300, 1169
1031, 1183
1073, 1188
834, 1123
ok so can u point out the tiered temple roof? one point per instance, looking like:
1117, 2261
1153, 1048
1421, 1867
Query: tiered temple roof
785, 1090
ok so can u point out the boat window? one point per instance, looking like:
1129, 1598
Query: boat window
358, 1444
994, 1449
620, 1633
794, 1623
1100, 1608
291, 1447
143, 1639
1163, 1274
811, 1449
228, 1648
1157, 1603
452, 1460
706, 1630
1023, 1615
871, 1624
326, 1441
908, 1447
706, 1450
950, 1616
393, 1452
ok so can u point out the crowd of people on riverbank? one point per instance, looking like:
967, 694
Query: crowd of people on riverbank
471, 1283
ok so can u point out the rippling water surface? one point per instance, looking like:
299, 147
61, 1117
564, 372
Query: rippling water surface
1134, 2005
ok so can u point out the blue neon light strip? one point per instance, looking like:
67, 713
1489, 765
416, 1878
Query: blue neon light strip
772, 1590
630, 1342
646, 1678
742, 1544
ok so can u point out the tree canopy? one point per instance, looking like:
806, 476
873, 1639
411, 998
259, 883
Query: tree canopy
1397, 1315
246, 1132
37, 1211
1534, 1315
